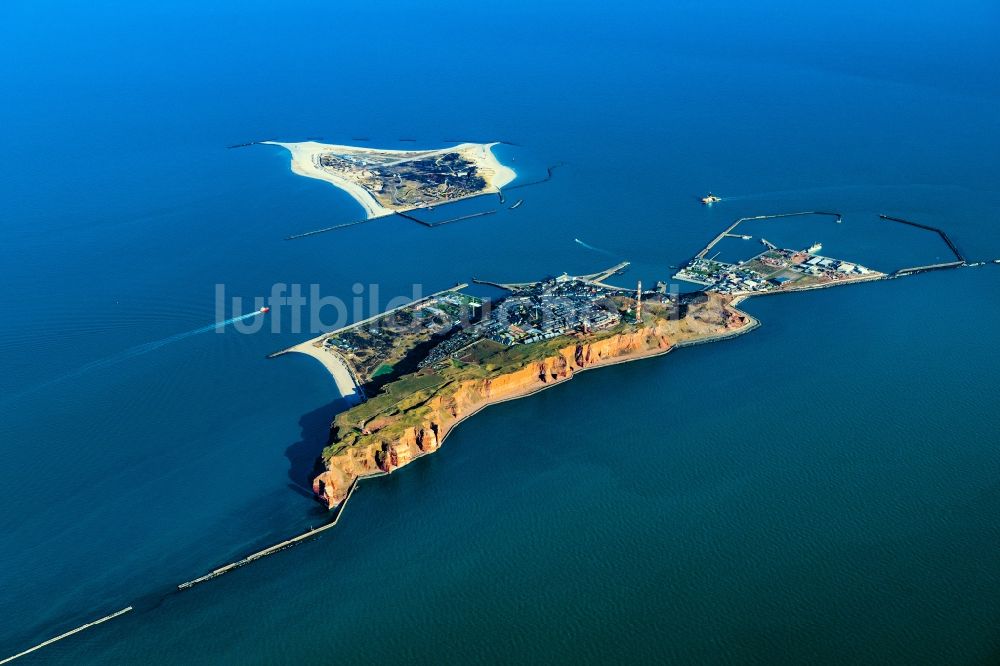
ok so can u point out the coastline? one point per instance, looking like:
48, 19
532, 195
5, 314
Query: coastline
303, 164
502, 175
752, 323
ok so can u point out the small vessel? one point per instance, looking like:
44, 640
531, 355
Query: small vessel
710, 199
264, 310
814, 248
517, 203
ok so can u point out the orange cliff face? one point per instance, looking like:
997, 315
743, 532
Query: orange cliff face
372, 454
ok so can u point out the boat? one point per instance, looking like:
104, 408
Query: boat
814, 248
264, 310
710, 199
517, 203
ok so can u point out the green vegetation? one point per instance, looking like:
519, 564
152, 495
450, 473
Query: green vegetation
383, 369
402, 404
481, 351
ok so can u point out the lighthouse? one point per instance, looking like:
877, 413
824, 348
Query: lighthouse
638, 303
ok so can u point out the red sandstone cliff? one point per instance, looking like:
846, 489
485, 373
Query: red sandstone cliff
373, 454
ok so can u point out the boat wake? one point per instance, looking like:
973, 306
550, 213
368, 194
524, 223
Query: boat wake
594, 249
133, 352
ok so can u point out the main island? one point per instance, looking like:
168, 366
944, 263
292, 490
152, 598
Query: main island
419, 370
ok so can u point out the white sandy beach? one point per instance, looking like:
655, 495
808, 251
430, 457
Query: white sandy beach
337, 368
305, 162
497, 175
305, 155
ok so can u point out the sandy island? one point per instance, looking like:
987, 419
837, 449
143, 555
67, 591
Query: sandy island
306, 162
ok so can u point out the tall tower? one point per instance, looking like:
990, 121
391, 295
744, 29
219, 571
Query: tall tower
638, 303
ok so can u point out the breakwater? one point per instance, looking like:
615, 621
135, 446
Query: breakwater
326, 229
459, 218
549, 171
270, 550
729, 230
66, 635
959, 257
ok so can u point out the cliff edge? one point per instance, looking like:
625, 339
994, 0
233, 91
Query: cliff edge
412, 416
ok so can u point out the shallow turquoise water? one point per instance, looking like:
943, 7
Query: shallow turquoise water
823, 489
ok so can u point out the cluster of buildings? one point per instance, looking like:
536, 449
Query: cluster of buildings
772, 269
382, 339
739, 280
541, 311
410, 182
817, 265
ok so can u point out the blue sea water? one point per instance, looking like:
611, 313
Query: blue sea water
822, 490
